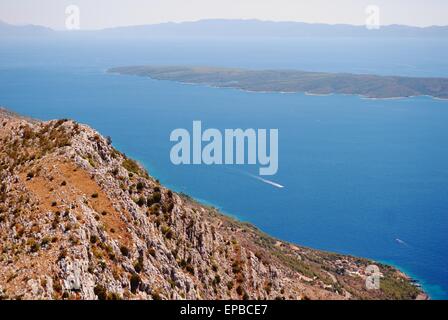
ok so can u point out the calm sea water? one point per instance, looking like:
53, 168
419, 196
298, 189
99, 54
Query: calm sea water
358, 174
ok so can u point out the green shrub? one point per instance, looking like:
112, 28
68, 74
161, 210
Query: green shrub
155, 198
156, 295
131, 166
113, 296
91, 162
168, 206
100, 292
57, 287
141, 201
135, 282
124, 251
34, 246
138, 265
167, 232
45, 241
93, 239
190, 269
62, 254
236, 268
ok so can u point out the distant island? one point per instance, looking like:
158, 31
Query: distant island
294, 81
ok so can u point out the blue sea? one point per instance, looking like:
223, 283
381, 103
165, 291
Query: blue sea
361, 177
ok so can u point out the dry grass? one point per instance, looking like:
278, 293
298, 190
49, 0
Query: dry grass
78, 187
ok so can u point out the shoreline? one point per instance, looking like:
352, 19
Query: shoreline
417, 281
432, 291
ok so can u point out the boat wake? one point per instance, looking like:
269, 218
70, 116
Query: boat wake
253, 176
399, 241
272, 183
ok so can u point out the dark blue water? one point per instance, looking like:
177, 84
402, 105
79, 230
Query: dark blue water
358, 174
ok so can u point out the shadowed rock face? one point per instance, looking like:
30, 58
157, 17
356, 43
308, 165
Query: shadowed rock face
370, 86
78, 219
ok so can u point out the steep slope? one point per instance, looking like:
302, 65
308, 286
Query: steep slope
80, 220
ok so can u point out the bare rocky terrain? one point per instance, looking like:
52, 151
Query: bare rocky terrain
80, 220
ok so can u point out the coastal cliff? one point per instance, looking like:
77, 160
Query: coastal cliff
81, 220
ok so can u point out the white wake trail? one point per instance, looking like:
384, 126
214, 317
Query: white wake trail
272, 183
399, 241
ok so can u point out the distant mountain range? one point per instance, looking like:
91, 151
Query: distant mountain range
237, 28
27, 30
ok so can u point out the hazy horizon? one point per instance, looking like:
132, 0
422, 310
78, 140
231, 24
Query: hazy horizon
217, 19
102, 14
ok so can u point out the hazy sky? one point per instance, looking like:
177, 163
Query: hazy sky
96, 14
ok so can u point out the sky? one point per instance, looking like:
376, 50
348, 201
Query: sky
98, 14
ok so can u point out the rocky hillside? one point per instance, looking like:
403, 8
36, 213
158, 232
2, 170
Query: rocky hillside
80, 220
